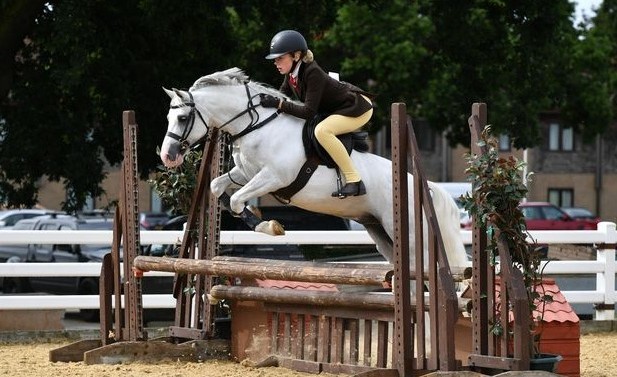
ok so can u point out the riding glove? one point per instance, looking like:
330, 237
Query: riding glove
269, 101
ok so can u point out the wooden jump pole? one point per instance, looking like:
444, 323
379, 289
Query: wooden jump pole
358, 300
268, 269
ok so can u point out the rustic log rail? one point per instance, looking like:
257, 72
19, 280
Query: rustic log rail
269, 269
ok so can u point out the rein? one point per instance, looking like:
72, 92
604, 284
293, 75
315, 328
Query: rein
253, 125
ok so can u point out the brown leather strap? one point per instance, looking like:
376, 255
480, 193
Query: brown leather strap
305, 173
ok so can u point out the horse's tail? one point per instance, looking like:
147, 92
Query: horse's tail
448, 216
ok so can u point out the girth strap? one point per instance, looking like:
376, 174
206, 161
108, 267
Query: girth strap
306, 172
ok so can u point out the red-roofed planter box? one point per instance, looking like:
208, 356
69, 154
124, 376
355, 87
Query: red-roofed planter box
560, 328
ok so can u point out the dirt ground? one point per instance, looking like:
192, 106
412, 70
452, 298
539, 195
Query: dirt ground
598, 354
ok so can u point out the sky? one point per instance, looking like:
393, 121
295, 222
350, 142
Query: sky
585, 6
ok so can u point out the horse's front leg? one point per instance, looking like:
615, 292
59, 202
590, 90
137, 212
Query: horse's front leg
261, 184
221, 183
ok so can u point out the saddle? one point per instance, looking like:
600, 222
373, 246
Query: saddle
312, 149
316, 154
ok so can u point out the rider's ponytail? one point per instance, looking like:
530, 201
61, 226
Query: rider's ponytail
308, 56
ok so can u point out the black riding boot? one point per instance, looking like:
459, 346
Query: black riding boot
351, 189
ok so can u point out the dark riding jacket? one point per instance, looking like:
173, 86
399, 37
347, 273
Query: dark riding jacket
322, 94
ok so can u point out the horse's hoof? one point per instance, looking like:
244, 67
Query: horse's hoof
272, 227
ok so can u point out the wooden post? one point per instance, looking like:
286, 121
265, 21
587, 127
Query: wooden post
403, 335
482, 273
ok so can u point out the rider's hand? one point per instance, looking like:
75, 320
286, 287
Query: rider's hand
269, 101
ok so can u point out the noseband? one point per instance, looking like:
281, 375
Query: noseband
190, 120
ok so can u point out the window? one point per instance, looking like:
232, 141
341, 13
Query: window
532, 213
560, 138
561, 197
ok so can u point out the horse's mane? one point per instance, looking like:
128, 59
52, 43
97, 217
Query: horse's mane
232, 76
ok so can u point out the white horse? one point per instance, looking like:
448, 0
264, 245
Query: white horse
270, 156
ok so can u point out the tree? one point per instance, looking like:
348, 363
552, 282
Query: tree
87, 62
595, 79
439, 57
17, 17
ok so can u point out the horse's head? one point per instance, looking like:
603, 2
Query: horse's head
186, 126
223, 99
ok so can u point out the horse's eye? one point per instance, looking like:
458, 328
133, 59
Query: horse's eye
182, 118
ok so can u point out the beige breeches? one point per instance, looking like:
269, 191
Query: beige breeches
326, 132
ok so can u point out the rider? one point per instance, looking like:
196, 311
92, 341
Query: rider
347, 106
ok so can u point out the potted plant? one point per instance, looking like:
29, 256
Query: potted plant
498, 189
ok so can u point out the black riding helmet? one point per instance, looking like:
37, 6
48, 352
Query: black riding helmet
286, 41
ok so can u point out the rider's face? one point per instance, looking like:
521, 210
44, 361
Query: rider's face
284, 63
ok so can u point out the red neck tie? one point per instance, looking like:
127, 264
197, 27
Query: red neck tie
293, 82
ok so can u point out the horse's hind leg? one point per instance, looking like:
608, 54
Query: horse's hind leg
382, 240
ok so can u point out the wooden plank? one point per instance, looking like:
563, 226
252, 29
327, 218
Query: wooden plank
187, 333
124, 352
368, 341
323, 340
73, 352
382, 344
106, 288
496, 362
274, 333
354, 340
286, 343
333, 311
300, 365
311, 339
337, 341
299, 337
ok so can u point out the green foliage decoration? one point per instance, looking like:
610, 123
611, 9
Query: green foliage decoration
175, 186
498, 189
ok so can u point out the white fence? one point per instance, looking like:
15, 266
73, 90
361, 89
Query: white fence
603, 266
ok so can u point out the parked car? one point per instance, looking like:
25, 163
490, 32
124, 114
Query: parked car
8, 218
73, 253
153, 220
581, 213
547, 216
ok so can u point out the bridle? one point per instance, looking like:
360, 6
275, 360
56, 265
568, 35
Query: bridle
190, 122
253, 125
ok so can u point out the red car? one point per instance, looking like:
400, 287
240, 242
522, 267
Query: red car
547, 216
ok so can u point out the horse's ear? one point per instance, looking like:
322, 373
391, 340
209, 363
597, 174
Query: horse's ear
170, 93
183, 95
